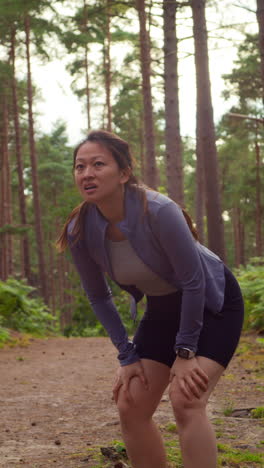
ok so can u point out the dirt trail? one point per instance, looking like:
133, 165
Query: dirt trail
55, 402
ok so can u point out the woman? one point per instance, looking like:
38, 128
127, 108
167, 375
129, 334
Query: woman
194, 311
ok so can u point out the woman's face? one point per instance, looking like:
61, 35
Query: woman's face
97, 174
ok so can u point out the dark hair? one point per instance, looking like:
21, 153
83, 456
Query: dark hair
191, 226
120, 151
119, 148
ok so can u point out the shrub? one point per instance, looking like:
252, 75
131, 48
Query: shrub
251, 280
22, 312
84, 322
258, 413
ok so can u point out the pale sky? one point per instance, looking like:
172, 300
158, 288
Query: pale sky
59, 102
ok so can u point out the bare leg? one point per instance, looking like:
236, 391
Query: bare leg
197, 438
142, 438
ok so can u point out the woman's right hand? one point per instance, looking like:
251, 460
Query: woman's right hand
124, 376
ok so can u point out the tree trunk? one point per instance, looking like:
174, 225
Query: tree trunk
3, 267
60, 290
35, 182
207, 132
150, 161
9, 217
141, 152
108, 77
25, 261
86, 66
260, 18
199, 188
258, 201
87, 87
52, 286
238, 230
6, 218
172, 118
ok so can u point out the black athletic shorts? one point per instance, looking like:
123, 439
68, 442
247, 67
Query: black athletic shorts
156, 332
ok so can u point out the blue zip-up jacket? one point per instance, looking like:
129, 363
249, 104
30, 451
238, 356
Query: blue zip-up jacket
162, 239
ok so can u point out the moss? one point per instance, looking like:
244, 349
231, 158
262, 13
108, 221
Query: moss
240, 458
229, 408
258, 413
171, 427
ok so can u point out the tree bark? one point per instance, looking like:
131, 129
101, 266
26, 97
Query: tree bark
3, 236
35, 182
8, 182
2, 249
207, 132
108, 77
238, 230
260, 18
86, 66
52, 286
25, 259
150, 161
258, 201
199, 188
6, 217
174, 168
141, 152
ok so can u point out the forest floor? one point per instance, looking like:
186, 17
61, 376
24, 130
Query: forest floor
56, 407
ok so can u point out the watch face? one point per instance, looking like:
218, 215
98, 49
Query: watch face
184, 353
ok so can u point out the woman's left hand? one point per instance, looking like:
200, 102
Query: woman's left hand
124, 376
190, 377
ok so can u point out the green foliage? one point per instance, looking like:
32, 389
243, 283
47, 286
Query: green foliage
4, 333
245, 78
171, 427
18, 230
229, 408
232, 457
251, 280
258, 413
19, 310
84, 322
237, 148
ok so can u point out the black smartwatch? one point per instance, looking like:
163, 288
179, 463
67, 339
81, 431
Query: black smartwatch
185, 353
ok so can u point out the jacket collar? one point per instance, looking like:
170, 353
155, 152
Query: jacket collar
133, 209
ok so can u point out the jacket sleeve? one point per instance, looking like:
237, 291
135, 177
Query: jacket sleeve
100, 297
180, 247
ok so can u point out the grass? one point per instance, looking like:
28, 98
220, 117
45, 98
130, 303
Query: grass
228, 409
20, 358
228, 456
171, 427
218, 422
260, 341
258, 413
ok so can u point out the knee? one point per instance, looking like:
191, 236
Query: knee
136, 405
184, 409
124, 405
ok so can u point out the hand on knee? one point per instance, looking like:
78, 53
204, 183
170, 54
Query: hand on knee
184, 408
124, 377
189, 377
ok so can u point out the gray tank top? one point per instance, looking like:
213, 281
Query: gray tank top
129, 269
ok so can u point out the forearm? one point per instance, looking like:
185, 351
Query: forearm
191, 321
107, 314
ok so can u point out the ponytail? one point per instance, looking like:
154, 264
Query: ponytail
188, 220
78, 213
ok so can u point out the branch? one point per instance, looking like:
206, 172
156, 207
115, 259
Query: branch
244, 8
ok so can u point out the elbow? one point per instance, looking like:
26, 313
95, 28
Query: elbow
97, 299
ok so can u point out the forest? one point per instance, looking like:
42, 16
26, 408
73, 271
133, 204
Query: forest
125, 60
